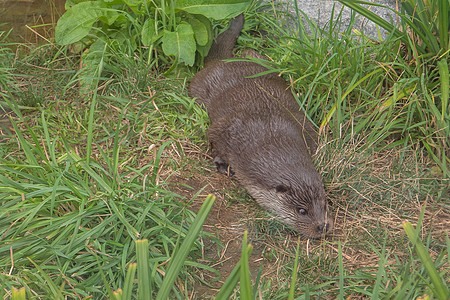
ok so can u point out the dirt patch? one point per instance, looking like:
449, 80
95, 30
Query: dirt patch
233, 213
226, 221
6, 128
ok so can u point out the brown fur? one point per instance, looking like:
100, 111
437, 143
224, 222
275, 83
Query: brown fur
258, 130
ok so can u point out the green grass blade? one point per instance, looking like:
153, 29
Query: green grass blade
92, 109
441, 164
448, 249
229, 285
90, 127
117, 295
421, 29
131, 230
439, 287
418, 20
373, 17
129, 279
307, 294
177, 260
50, 144
56, 292
100, 181
443, 24
256, 286
294, 273
330, 114
444, 78
111, 294
31, 216
31, 159
115, 160
157, 160
341, 272
245, 286
18, 294
380, 274
144, 282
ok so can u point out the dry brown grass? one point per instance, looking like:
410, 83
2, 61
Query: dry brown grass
371, 193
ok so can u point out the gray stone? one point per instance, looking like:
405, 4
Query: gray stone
320, 12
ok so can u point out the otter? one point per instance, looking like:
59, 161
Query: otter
259, 134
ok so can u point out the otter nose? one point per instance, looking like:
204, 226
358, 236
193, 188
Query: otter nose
323, 228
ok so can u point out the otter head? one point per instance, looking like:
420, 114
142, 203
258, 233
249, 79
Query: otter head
302, 206
292, 189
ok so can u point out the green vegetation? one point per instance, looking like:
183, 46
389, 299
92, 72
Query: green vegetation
393, 91
5, 67
113, 29
103, 191
425, 82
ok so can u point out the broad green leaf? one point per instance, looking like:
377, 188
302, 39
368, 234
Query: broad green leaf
148, 32
180, 43
204, 49
70, 3
216, 9
201, 31
77, 22
133, 5
91, 59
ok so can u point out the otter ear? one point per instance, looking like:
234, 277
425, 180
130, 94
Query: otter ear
281, 188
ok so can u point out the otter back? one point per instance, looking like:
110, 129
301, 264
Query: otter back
259, 131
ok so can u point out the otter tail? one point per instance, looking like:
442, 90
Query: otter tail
222, 48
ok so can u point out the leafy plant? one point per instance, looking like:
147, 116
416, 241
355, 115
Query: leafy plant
179, 29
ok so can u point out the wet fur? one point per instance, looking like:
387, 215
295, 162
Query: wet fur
258, 130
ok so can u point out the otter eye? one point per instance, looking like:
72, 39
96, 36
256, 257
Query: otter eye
281, 188
301, 211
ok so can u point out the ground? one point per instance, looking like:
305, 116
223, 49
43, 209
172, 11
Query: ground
370, 193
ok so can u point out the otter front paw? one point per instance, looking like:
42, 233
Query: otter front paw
222, 166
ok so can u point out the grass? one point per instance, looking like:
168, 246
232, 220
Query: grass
75, 215
351, 83
66, 216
